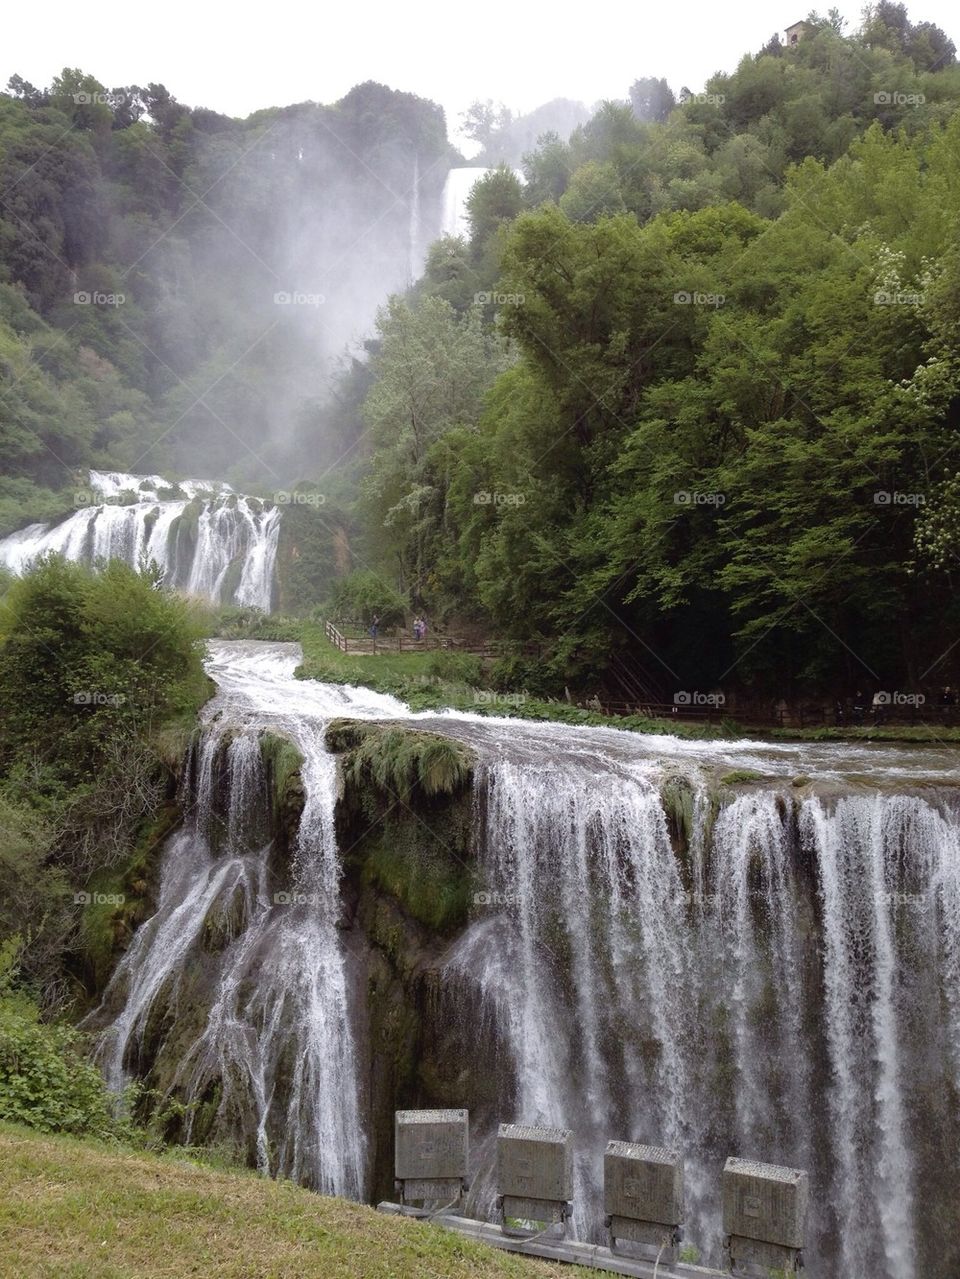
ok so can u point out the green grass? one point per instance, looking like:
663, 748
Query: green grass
72, 1209
928, 734
408, 676
396, 760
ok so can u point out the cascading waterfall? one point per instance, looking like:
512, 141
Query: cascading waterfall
594, 894
777, 1002
272, 1054
214, 544
764, 970
888, 884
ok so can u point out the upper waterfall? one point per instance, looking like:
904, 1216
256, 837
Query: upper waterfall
207, 540
459, 184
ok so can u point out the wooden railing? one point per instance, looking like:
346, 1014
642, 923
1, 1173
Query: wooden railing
337, 638
399, 642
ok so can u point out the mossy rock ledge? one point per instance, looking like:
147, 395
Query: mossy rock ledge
405, 823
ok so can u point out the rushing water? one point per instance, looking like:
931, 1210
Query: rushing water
211, 542
274, 1047
782, 983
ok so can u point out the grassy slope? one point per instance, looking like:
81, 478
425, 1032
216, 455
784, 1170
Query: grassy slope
406, 676
76, 1209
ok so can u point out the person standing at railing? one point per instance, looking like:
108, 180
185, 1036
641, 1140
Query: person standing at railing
879, 713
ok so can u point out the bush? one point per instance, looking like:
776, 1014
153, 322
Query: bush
362, 594
243, 621
45, 1079
456, 668
95, 668
33, 893
89, 657
514, 673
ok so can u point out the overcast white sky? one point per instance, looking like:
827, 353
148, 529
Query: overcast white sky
238, 57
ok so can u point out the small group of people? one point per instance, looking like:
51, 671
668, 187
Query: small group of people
858, 710
880, 706
419, 626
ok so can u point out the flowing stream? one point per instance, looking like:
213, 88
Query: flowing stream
767, 969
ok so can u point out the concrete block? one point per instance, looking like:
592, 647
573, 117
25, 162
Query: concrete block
436, 1189
431, 1145
545, 1210
754, 1257
534, 1163
643, 1183
765, 1202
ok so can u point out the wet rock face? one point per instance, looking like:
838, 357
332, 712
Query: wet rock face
409, 871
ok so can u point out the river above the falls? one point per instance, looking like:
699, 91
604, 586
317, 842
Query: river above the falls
256, 679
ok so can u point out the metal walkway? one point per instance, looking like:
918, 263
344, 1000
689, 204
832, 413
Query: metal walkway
565, 1250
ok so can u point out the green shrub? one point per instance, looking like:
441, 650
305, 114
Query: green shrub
514, 673
361, 594
456, 668
243, 621
33, 892
46, 1081
95, 669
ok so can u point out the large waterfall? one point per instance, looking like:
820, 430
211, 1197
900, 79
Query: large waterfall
788, 992
768, 968
207, 540
252, 944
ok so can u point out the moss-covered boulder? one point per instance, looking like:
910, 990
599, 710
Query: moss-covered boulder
282, 763
405, 828
405, 817
397, 761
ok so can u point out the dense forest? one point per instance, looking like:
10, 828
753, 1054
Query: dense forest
682, 406
703, 429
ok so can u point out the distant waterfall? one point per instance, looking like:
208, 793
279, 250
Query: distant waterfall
211, 542
458, 186
415, 247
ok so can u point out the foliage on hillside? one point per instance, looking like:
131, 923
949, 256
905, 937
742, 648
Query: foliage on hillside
46, 1079
144, 246
683, 405
96, 670
733, 389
